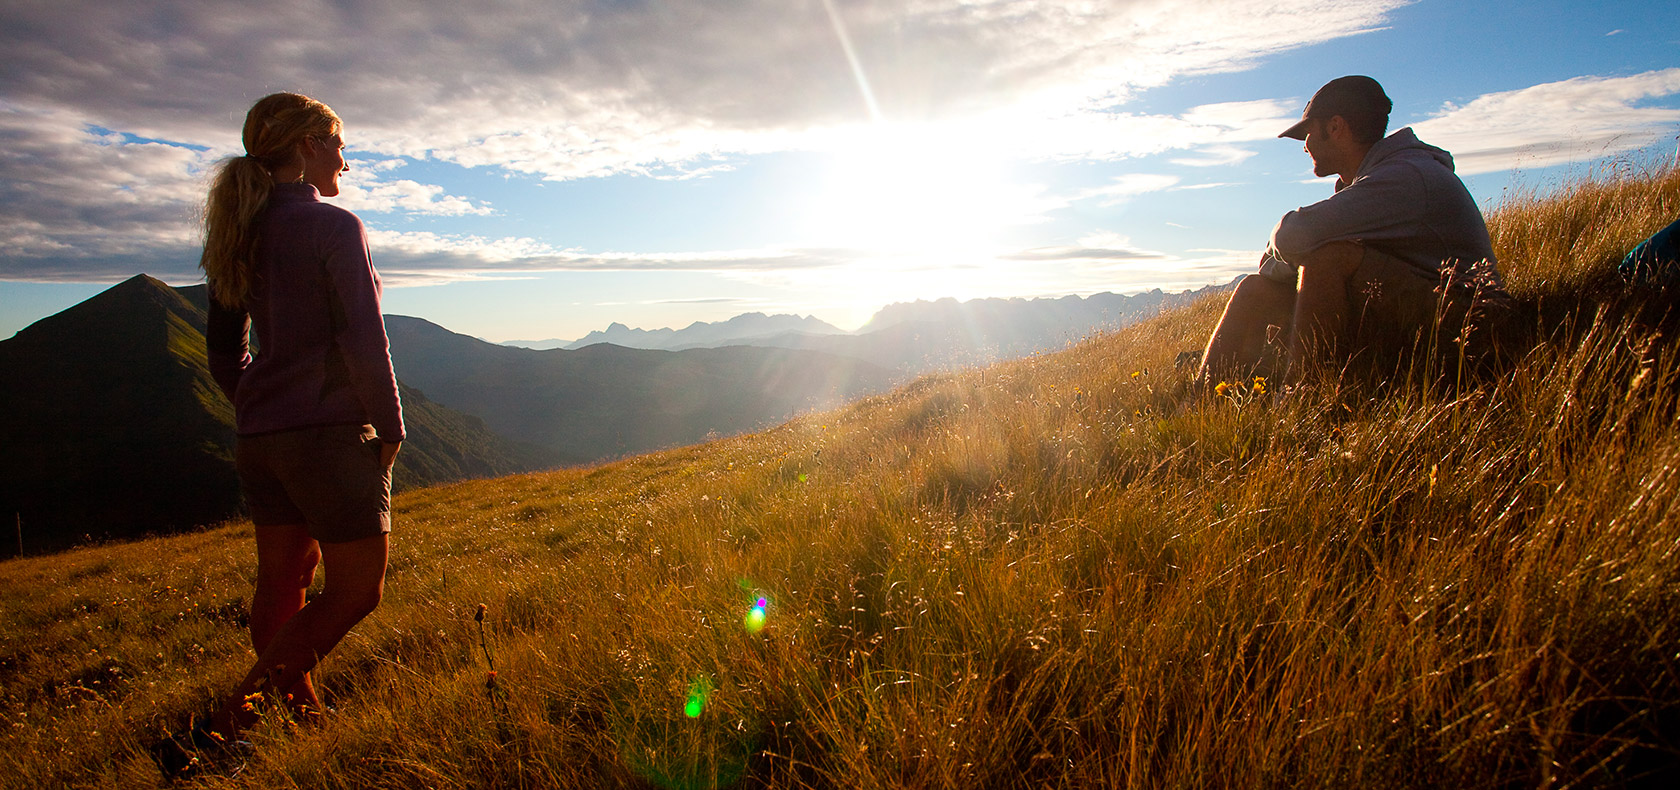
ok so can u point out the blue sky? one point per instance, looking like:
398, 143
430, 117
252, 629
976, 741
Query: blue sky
539, 169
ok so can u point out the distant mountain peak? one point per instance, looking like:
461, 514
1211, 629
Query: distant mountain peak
1096, 307
129, 305
739, 330
140, 285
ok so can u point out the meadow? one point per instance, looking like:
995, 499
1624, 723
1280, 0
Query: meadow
1070, 570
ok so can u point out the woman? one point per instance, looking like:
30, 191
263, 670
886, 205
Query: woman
316, 408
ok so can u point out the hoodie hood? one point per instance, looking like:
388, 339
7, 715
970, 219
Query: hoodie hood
1403, 143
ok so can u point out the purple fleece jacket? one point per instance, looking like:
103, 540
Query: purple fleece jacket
322, 355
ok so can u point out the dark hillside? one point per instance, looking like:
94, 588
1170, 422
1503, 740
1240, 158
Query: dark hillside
111, 422
444, 444
113, 427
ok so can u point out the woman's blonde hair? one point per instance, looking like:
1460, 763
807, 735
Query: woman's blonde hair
273, 128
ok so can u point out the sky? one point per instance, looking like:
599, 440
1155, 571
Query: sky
535, 169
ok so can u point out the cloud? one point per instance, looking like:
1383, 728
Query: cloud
1103, 248
407, 258
1076, 254
1105, 257
360, 192
1555, 123
714, 300
84, 205
75, 202
1195, 269
574, 90
1168, 272
1212, 130
1215, 156
1129, 186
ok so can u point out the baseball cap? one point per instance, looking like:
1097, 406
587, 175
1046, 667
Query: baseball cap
1352, 96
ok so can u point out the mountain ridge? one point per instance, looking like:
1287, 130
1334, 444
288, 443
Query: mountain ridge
137, 438
603, 400
737, 330
914, 337
919, 337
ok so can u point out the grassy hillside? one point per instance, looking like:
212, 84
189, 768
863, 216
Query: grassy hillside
1057, 572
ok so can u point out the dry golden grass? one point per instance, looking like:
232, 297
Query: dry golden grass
1062, 571
1563, 247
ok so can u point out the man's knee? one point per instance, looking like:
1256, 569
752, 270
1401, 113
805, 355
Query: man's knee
1263, 298
1255, 286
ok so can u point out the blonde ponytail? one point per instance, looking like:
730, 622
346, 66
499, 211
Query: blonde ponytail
274, 127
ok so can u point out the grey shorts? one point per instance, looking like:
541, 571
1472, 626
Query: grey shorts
1393, 301
1396, 308
1386, 288
327, 478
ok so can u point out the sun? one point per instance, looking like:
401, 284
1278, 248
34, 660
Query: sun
923, 191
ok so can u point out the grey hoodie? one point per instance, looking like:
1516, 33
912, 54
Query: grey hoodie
1404, 200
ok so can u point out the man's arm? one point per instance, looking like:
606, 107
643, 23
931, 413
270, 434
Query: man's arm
1383, 204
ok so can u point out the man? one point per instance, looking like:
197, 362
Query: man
1399, 240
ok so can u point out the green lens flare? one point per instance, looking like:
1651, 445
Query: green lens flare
698, 691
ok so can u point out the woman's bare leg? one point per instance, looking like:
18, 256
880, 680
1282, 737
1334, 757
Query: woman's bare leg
355, 581
286, 561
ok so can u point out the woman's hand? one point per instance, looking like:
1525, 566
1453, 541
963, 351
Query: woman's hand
388, 453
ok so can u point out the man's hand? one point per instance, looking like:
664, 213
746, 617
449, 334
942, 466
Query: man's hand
388, 453
1277, 269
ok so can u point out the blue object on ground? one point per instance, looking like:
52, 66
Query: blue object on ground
1656, 261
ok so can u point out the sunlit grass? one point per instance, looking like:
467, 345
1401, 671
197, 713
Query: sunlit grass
1063, 571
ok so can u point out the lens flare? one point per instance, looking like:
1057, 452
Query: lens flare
754, 621
698, 691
